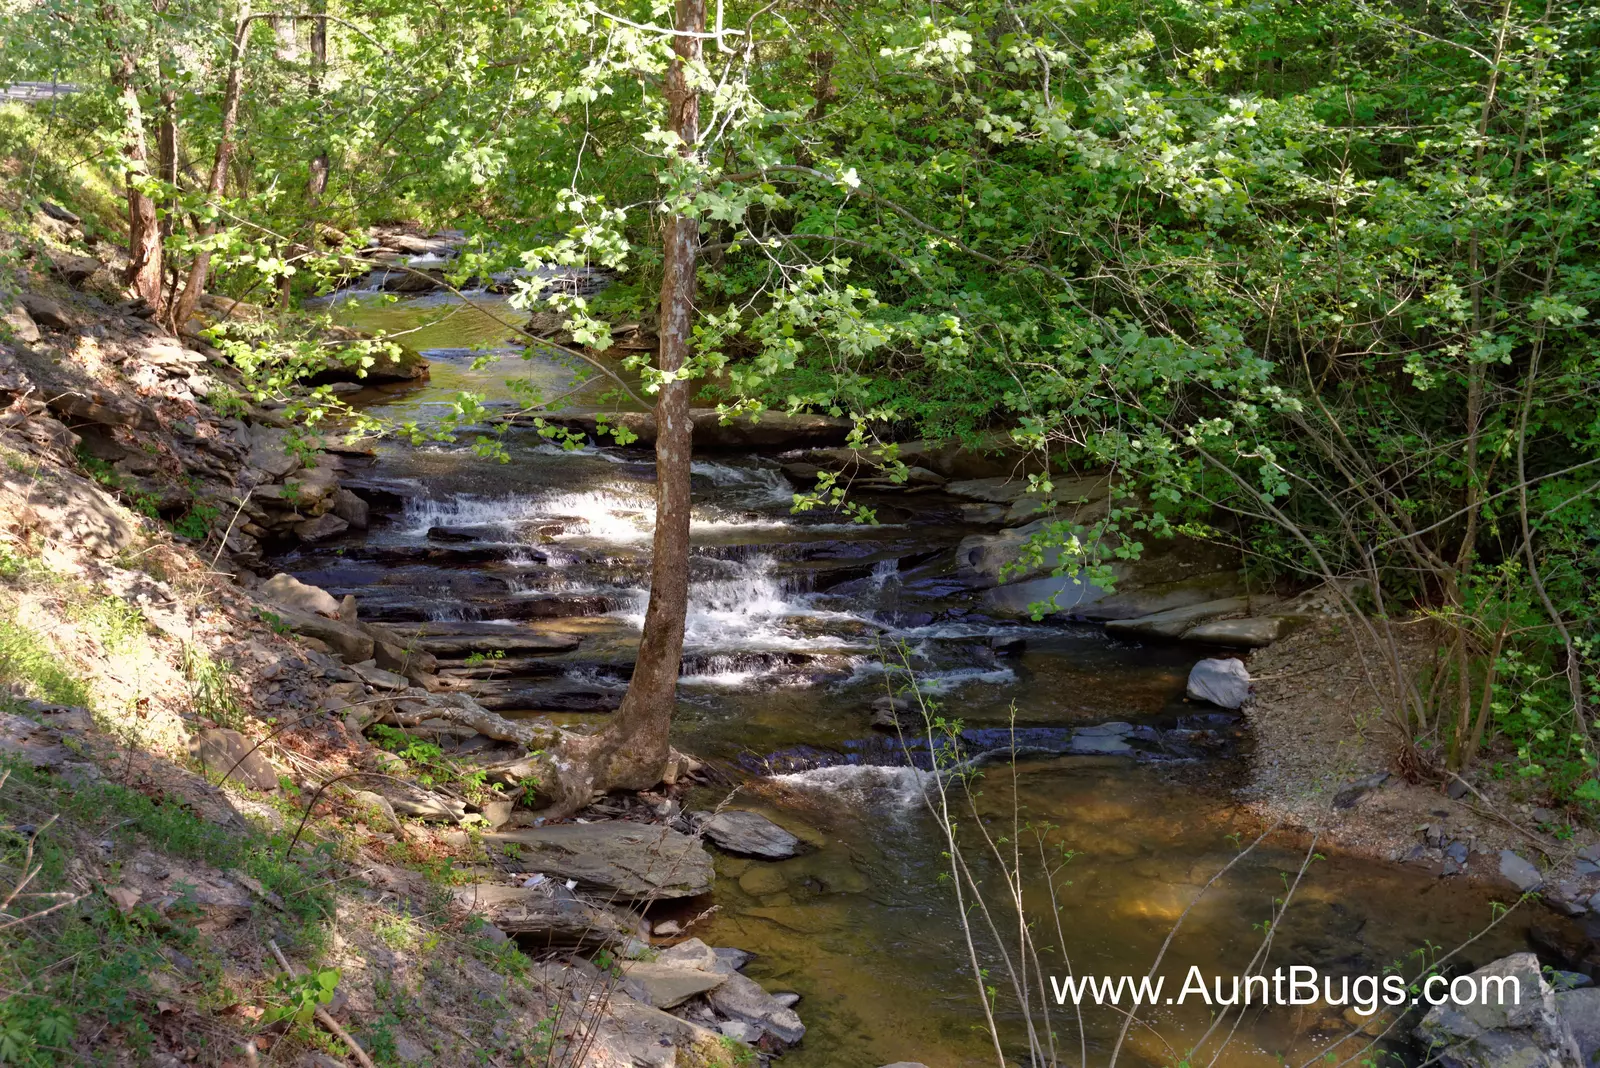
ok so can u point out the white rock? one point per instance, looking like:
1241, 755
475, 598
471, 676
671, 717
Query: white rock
1222, 682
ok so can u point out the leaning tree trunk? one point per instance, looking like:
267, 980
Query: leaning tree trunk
144, 228
201, 268
633, 753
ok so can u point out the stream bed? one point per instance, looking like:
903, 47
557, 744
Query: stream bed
797, 624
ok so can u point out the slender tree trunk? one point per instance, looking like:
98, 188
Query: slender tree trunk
167, 162
201, 269
317, 182
633, 752
144, 227
639, 730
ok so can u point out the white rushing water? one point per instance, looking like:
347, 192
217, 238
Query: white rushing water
892, 787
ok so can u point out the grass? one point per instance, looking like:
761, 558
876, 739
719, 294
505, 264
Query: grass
93, 976
213, 690
31, 666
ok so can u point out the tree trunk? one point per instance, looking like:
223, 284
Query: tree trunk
201, 269
317, 182
144, 228
633, 752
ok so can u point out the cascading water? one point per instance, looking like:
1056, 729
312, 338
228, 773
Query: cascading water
799, 629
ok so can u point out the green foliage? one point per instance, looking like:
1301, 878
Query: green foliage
1312, 280
213, 689
301, 996
431, 767
31, 665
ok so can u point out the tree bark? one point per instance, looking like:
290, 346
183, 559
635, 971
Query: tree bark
317, 181
144, 227
633, 752
201, 268
638, 733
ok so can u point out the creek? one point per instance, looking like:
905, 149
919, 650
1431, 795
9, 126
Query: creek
793, 621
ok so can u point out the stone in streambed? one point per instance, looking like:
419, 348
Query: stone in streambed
1519, 872
748, 834
1225, 683
1238, 633
1103, 738
351, 508
321, 528
1174, 622
454, 639
669, 984
742, 998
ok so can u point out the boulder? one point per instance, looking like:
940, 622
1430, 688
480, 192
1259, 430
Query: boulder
1580, 1011
670, 984
1519, 873
269, 452
413, 801
378, 678
56, 211
226, 752
350, 508
376, 802
742, 998
352, 645
1529, 1033
1222, 682
73, 269
750, 834
286, 591
47, 312
636, 861
90, 405
23, 326
1176, 622
321, 528
68, 508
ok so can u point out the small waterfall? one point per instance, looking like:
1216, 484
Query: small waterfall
864, 784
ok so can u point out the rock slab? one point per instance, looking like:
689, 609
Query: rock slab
750, 834
221, 750
636, 861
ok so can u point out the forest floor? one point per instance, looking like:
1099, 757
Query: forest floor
1327, 760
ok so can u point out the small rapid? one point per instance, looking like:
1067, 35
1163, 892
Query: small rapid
805, 637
